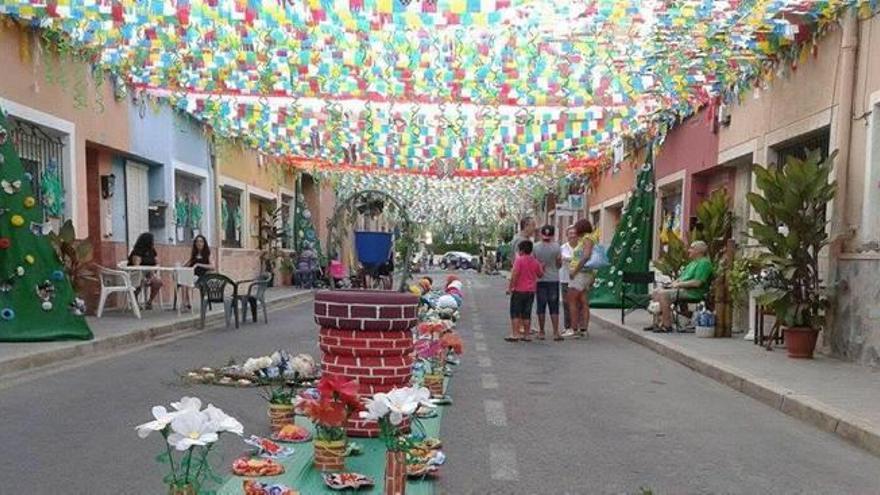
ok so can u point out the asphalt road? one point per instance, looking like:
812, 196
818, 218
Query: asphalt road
579, 417
605, 415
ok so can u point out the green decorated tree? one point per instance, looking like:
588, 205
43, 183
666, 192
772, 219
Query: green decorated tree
305, 233
37, 302
630, 249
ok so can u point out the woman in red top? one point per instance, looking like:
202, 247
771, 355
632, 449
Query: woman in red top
523, 284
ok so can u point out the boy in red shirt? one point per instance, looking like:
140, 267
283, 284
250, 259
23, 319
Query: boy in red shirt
523, 285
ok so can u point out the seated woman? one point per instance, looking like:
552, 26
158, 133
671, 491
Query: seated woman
144, 254
199, 260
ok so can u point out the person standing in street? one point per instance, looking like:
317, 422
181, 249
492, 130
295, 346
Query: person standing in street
582, 278
566, 252
526, 232
523, 284
549, 255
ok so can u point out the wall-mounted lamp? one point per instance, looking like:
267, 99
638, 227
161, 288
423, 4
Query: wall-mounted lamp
108, 185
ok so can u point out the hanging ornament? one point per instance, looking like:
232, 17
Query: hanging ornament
5, 243
649, 187
30, 202
7, 314
19, 270
47, 305
29, 259
16, 220
4, 134
646, 167
78, 307
10, 187
58, 275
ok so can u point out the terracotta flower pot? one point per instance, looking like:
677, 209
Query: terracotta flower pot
801, 342
329, 456
395, 473
280, 415
434, 382
187, 489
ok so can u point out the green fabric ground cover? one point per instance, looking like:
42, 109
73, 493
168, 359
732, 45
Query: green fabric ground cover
300, 475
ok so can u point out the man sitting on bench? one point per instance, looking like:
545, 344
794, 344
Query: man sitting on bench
691, 286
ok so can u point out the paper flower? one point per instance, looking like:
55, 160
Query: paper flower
5, 243
403, 402
162, 419
341, 388
222, 421
16, 220
187, 404
29, 202
303, 364
375, 408
191, 428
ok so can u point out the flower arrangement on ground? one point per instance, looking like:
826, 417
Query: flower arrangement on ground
390, 410
430, 353
328, 407
281, 376
189, 432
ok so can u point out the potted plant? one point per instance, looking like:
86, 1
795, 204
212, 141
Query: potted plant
286, 267
181, 213
390, 410
280, 376
195, 216
328, 407
715, 228
190, 433
791, 228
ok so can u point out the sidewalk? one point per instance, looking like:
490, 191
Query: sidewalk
120, 330
835, 396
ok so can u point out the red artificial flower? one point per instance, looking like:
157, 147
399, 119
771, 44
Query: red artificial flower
337, 387
428, 349
450, 279
430, 328
326, 412
452, 340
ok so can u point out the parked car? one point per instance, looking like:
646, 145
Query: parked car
459, 260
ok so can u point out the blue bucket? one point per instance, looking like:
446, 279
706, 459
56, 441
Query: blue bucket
373, 248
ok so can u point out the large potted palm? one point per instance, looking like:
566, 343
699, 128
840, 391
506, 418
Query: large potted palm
791, 229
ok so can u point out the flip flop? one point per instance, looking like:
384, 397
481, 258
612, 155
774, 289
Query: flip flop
541, 336
511, 339
558, 338
525, 339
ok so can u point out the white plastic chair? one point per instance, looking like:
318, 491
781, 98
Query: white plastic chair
116, 282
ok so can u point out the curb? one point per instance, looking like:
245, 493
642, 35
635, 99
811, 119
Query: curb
799, 406
128, 340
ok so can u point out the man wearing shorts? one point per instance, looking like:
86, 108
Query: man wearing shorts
549, 254
692, 285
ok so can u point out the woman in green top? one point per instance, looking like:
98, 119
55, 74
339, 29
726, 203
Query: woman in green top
582, 279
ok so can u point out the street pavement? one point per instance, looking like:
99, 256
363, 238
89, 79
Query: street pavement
605, 415
602, 415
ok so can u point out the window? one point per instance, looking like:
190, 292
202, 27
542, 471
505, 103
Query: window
231, 216
188, 207
799, 147
41, 151
671, 208
261, 211
287, 220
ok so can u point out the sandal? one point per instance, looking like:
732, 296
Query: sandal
511, 339
525, 339
558, 338
541, 336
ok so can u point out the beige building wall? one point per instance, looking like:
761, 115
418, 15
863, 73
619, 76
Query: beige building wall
26, 92
802, 102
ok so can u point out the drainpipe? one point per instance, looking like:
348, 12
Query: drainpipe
216, 228
845, 83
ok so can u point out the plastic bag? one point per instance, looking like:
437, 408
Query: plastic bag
598, 258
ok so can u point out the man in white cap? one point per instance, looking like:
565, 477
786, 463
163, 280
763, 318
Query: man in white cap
691, 286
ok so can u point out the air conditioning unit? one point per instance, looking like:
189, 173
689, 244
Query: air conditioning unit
723, 115
619, 151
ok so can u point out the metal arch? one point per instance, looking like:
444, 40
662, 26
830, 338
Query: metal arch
406, 229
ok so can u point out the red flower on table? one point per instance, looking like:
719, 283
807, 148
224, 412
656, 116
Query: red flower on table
326, 412
337, 387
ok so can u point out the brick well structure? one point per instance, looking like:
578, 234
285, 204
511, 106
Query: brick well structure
366, 336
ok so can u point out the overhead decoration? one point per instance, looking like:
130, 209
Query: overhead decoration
437, 87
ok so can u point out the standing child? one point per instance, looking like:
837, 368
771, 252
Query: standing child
523, 284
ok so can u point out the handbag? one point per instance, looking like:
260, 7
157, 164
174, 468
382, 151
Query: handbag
598, 258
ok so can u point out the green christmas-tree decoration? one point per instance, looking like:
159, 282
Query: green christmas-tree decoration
630, 249
37, 302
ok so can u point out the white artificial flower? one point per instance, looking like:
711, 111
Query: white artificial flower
264, 362
303, 364
375, 408
188, 403
192, 428
276, 358
250, 366
783, 230
401, 403
162, 419
222, 421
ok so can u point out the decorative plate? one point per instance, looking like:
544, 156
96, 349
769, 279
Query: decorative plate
429, 443
267, 448
249, 466
419, 470
346, 481
254, 487
441, 400
292, 434
426, 412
